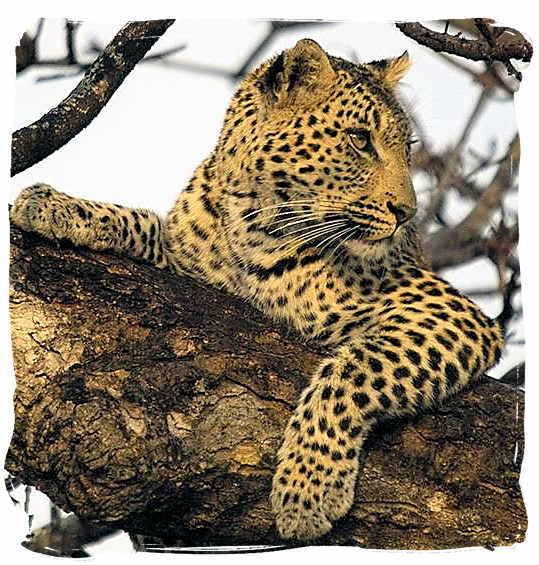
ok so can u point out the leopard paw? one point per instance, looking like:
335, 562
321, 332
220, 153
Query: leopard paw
307, 498
298, 516
40, 209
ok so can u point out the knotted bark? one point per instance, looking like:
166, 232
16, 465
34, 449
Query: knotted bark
155, 404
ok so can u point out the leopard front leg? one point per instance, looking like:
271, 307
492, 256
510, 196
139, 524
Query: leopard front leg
318, 461
402, 365
100, 226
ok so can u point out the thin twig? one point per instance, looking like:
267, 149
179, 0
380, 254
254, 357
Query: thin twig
451, 163
453, 248
488, 78
275, 28
27, 52
507, 312
71, 28
491, 197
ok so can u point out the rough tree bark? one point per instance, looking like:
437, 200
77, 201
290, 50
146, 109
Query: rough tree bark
152, 403
492, 46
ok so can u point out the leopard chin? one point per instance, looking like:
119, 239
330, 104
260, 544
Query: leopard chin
370, 250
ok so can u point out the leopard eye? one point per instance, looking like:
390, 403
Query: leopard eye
360, 140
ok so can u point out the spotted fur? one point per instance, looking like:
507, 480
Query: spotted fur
305, 208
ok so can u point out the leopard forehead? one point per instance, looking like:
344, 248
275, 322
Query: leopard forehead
355, 97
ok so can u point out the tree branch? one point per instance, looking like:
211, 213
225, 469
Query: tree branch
71, 29
472, 49
275, 28
26, 53
57, 127
453, 245
488, 34
449, 171
67, 537
149, 402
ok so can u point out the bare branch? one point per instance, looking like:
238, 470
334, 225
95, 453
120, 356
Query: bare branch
463, 241
447, 252
472, 49
57, 127
274, 29
485, 30
488, 78
474, 222
71, 28
435, 202
435, 164
26, 53
509, 291
66, 537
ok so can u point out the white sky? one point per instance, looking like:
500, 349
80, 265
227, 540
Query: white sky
135, 152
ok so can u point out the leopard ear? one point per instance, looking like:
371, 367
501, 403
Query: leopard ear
298, 75
392, 70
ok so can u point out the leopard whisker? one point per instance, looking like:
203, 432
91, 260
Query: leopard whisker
343, 241
302, 220
305, 238
328, 241
293, 217
288, 204
316, 214
314, 232
276, 206
289, 246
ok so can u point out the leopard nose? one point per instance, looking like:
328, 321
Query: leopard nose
402, 213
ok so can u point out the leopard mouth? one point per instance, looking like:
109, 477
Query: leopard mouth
359, 233
367, 234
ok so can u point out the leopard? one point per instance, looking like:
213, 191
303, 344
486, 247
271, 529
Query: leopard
306, 209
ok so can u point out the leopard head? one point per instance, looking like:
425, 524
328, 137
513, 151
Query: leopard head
315, 151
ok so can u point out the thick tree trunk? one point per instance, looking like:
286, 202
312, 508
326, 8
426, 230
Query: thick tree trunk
153, 403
